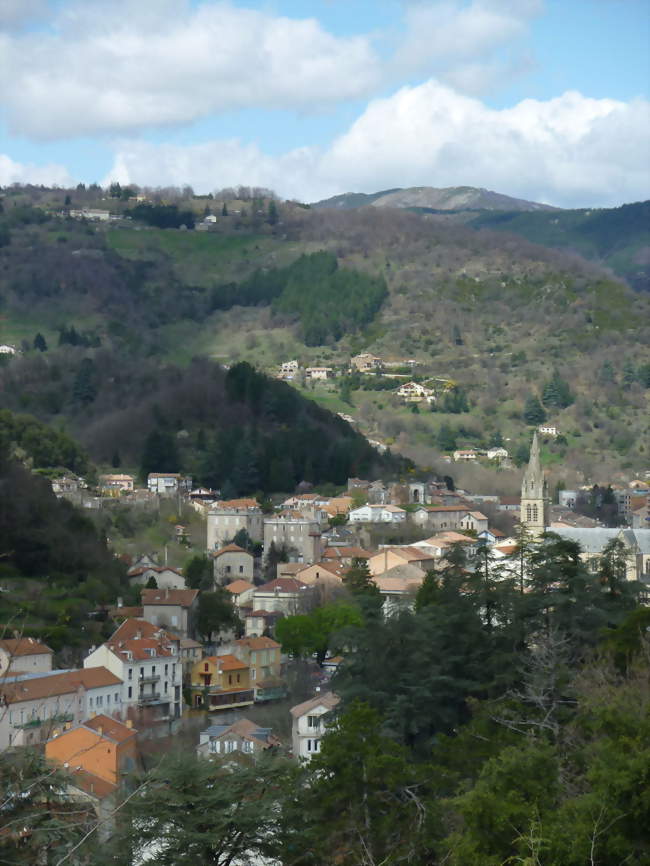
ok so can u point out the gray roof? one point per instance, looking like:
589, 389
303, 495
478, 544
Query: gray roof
595, 540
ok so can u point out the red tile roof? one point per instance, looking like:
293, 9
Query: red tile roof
231, 548
282, 584
111, 728
180, 597
23, 646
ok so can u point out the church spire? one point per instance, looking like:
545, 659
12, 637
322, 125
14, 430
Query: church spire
534, 497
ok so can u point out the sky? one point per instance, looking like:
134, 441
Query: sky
541, 99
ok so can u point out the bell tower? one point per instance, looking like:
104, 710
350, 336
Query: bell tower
534, 494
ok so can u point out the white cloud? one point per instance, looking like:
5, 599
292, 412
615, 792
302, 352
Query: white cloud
125, 66
17, 172
569, 151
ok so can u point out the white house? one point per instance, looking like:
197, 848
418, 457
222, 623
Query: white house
168, 483
310, 723
147, 661
549, 430
475, 521
5, 349
242, 736
413, 392
165, 577
319, 372
377, 514
465, 454
282, 594
497, 454
24, 655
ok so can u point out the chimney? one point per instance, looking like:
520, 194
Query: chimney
120, 601
100, 730
129, 724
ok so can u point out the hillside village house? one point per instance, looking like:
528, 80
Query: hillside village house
319, 373
389, 557
168, 483
5, 349
301, 535
474, 521
189, 651
413, 392
227, 517
344, 555
398, 587
437, 517
146, 659
242, 595
261, 622
439, 544
309, 724
113, 485
24, 655
220, 683
288, 369
366, 363
174, 609
232, 562
548, 430
284, 594
242, 736
496, 454
465, 455
377, 514
165, 577
262, 655
98, 753
323, 573
33, 706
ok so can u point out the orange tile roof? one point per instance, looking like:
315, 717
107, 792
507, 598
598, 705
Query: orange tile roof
239, 586
236, 503
231, 548
258, 643
346, 553
65, 683
230, 663
139, 649
111, 728
179, 597
23, 646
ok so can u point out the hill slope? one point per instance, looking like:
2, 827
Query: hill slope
427, 197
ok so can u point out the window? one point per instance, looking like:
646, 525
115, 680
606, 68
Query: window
130, 691
100, 700
309, 742
90, 703
247, 746
238, 678
108, 700
528, 512
153, 671
174, 619
130, 673
313, 721
166, 686
241, 569
141, 672
227, 569
229, 679
173, 672
117, 697
253, 674
166, 670
206, 666
535, 513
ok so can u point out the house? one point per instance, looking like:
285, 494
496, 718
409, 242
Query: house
146, 659
242, 595
548, 430
439, 544
366, 363
319, 373
228, 517
232, 562
474, 521
338, 505
242, 736
168, 483
261, 622
398, 586
33, 706
510, 503
497, 454
24, 655
389, 557
288, 569
344, 555
282, 594
358, 484
113, 485
309, 723
93, 214
288, 369
165, 577
189, 652
174, 609
413, 392
221, 682
435, 517
593, 542
262, 655
324, 572
377, 514
567, 498
491, 536
465, 455
5, 349
98, 753
299, 534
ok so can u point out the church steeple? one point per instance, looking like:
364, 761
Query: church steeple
534, 493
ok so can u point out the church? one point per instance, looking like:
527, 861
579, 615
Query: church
535, 516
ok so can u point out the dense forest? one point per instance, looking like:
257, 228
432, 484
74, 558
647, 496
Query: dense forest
235, 429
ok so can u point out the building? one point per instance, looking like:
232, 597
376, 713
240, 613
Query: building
174, 609
319, 373
413, 392
221, 683
328, 572
309, 724
165, 577
344, 555
33, 706
377, 514
242, 595
261, 622
168, 483
366, 363
147, 661
300, 535
283, 594
593, 542
398, 587
465, 455
534, 507
437, 517
242, 736
474, 521
99, 754
189, 652
262, 655
232, 562
115, 484
24, 655
389, 557
497, 453
228, 517
93, 214
548, 430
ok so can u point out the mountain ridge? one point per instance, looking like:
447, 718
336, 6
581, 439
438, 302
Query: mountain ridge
436, 198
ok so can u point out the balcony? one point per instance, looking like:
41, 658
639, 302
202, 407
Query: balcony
59, 719
222, 700
152, 698
150, 678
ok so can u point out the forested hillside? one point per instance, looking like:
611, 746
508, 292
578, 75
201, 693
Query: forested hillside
269, 281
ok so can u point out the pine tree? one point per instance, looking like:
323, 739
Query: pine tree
84, 389
40, 343
534, 413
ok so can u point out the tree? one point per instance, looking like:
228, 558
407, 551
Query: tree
151, 583
272, 217
496, 440
629, 373
159, 454
358, 579
224, 210
456, 336
274, 555
198, 812
40, 343
446, 438
556, 393
198, 573
318, 632
216, 613
364, 801
84, 389
534, 413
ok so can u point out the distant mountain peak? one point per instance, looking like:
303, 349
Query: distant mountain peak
452, 198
